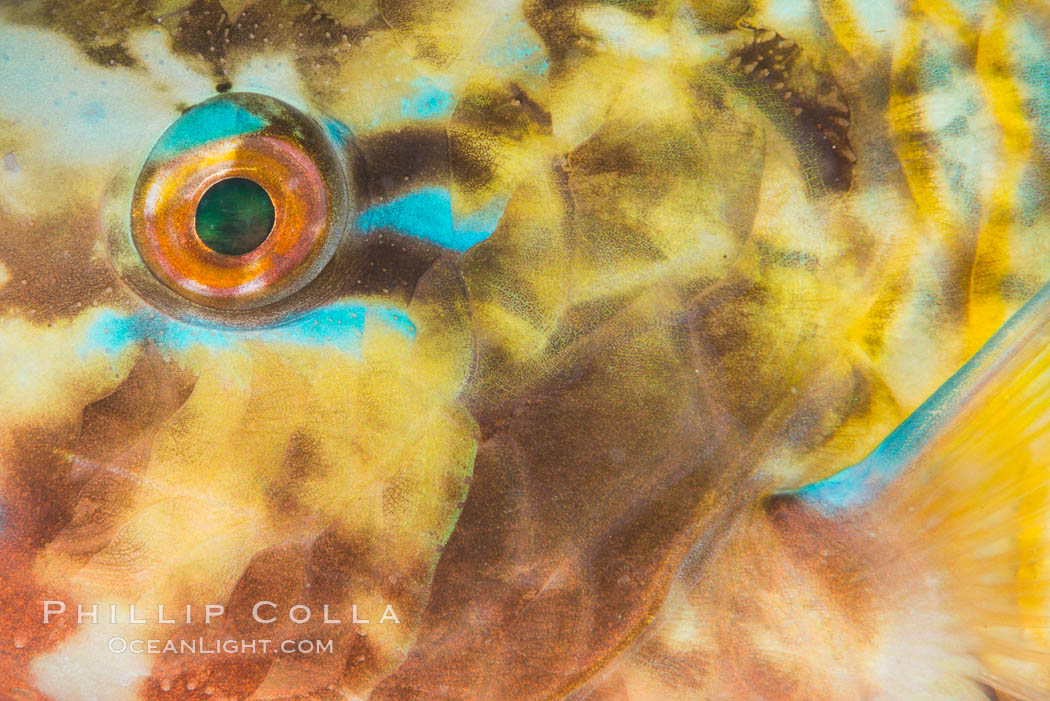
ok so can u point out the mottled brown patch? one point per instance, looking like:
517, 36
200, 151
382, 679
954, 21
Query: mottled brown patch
389, 265
201, 32
480, 127
313, 37
392, 162
575, 504
38, 494
812, 100
842, 553
338, 560
112, 450
54, 271
273, 575
727, 325
300, 462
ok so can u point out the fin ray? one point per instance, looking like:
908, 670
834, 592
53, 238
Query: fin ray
966, 482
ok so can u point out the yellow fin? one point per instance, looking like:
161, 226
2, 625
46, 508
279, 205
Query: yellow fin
975, 502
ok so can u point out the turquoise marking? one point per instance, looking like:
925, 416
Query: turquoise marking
93, 114
521, 50
207, 122
480, 224
339, 132
1029, 50
427, 214
428, 102
860, 483
339, 326
936, 71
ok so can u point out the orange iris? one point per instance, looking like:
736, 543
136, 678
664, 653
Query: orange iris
256, 138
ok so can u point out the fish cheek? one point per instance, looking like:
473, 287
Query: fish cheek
211, 456
53, 269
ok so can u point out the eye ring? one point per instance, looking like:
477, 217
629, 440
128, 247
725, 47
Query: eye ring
297, 162
165, 233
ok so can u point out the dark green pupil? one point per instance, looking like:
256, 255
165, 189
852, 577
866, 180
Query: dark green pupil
234, 216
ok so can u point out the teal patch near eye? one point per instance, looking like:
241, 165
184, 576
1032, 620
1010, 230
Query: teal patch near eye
234, 216
428, 102
207, 122
427, 214
337, 326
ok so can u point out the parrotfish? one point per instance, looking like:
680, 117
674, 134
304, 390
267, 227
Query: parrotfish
480, 349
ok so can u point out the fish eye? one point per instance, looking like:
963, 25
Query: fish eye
240, 204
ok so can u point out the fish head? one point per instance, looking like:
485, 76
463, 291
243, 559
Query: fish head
236, 306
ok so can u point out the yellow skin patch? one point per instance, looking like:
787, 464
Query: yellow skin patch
275, 447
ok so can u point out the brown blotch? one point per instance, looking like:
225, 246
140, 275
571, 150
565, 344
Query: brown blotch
337, 560
392, 162
300, 462
54, 272
113, 447
580, 499
841, 552
811, 100
199, 33
388, 264
311, 34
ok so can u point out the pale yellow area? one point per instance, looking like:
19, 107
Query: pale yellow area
50, 376
384, 455
389, 453
62, 86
